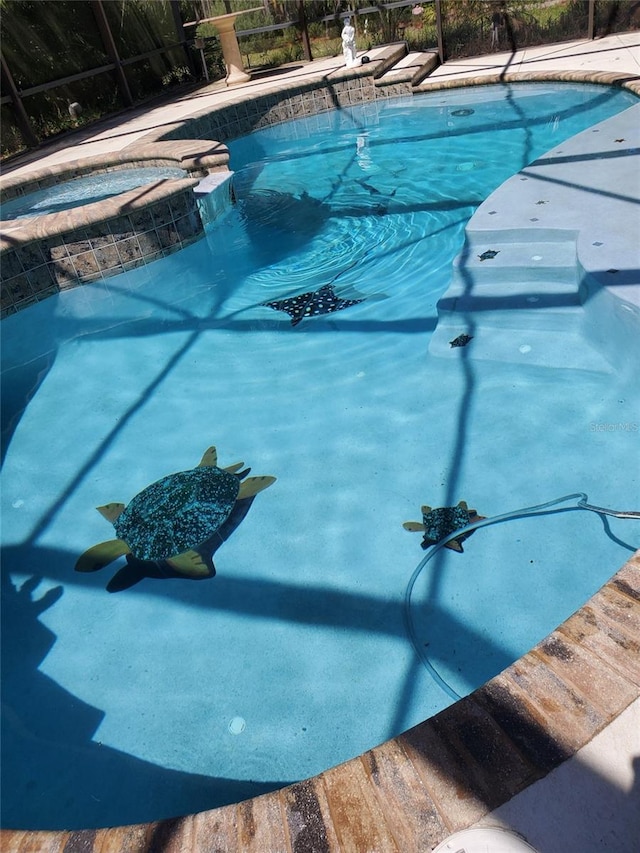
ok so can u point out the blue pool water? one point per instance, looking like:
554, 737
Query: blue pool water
173, 696
85, 190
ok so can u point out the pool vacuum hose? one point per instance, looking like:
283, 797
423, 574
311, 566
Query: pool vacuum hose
581, 503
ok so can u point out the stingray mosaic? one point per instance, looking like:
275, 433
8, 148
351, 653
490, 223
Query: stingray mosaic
325, 300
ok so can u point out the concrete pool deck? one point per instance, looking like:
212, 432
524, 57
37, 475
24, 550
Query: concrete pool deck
551, 746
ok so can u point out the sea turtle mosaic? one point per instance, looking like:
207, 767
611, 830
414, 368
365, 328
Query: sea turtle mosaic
461, 340
489, 254
171, 528
438, 523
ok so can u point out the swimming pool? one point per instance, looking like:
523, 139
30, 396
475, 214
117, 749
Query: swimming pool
85, 190
313, 580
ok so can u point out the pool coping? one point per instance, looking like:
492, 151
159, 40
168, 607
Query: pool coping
449, 771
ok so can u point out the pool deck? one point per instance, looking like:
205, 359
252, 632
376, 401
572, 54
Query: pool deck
549, 748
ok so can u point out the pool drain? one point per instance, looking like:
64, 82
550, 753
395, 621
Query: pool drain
237, 725
482, 839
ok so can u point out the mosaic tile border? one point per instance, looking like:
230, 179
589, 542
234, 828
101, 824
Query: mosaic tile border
334, 91
244, 115
131, 237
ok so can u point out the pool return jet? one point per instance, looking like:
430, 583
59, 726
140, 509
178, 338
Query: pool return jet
445, 527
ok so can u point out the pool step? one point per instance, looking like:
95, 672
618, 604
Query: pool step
514, 304
412, 68
488, 260
566, 349
520, 302
385, 57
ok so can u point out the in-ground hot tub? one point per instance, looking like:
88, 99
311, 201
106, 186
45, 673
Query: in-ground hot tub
91, 188
71, 224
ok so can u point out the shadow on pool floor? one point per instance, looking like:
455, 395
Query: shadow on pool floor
54, 775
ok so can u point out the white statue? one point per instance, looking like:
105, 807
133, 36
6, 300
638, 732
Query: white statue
349, 43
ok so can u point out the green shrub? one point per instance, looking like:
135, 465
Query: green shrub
177, 76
